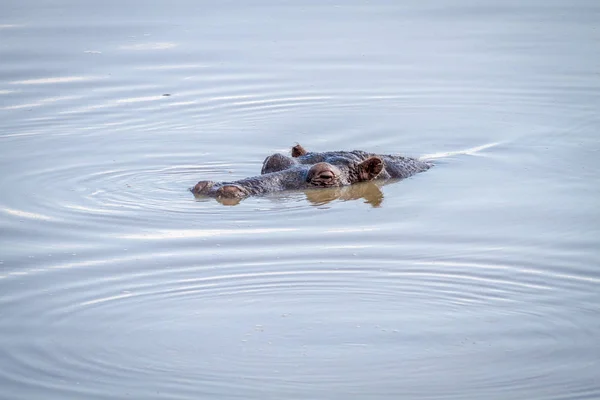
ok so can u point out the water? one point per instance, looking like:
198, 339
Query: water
476, 279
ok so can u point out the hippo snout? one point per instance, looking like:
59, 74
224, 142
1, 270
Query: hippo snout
202, 187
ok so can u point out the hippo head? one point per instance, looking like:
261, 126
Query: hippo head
303, 170
318, 175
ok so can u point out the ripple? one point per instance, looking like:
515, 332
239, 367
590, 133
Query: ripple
149, 46
11, 26
143, 191
475, 279
118, 188
25, 214
41, 102
218, 323
55, 80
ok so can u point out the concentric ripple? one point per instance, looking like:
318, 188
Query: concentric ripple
475, 280
235, 325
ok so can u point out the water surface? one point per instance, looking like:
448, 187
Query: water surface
477, 279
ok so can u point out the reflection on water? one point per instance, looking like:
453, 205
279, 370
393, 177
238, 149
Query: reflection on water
476, 280
369, 191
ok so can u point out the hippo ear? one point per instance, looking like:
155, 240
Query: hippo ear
370, 168
298, 151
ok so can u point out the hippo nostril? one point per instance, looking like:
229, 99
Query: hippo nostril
326, 175
202, 187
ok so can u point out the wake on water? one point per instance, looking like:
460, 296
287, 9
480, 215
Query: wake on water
473, 151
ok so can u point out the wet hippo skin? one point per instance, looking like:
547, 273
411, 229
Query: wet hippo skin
394, 166
306, 170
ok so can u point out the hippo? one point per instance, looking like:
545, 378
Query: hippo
307, 170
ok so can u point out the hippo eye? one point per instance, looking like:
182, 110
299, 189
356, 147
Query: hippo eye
326, 175
323, 174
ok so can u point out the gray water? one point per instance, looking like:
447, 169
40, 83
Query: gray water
478, 279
